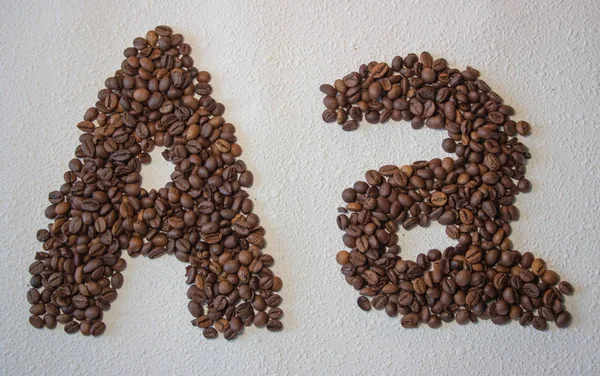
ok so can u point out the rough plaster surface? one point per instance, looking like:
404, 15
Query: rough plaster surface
267, 59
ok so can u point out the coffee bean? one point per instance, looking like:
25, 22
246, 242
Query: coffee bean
434, 322
463, 278
36, 267
546, 313
438, 199
275, 313
391, 309
195, 309
274, 326
364, 303
550, 277
97, 329
328, 90
36, 321
566, 288
447, 218
117, 280
71, 327
539, 323
277, 284
524, 186
33, 296
532, 290
352, 80
538, 267
50, 321
350, 125
379, 302
375, 90
274, 300
236, 324
500, 320
526, 318
331, 102
203, 216
261, 319
523, 128
37, 309
410, 321
210, 333
462, 317
563, 319
230, 334
246, 179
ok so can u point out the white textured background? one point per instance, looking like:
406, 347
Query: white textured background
267, 60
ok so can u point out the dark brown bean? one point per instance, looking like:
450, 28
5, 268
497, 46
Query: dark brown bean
364, 303
410, 321
565, 288
274, 326
563, 319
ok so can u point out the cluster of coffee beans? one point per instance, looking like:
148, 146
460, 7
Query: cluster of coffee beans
203, 216
473, 196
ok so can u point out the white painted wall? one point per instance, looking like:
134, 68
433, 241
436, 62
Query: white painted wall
267, 60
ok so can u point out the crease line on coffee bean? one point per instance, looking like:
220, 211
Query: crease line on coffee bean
203, 216
473, 195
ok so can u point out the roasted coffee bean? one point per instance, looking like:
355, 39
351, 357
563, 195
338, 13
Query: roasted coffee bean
565, 288
210, 333
364, 303
273, 300
350, 125
538, 267
203, 216
274, 326
230, 334
328, 90
523, 128
539, 323
379, 302
97, 328
410, 321
463, 278
71, 327
563, 319
550, 277
546, 313
50, 321
472, 195
275, 313
434, 322
462, 317
531, 290
261, 319
329, 116
343, 257
391, 309
36, 321
33, 296
526, 318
